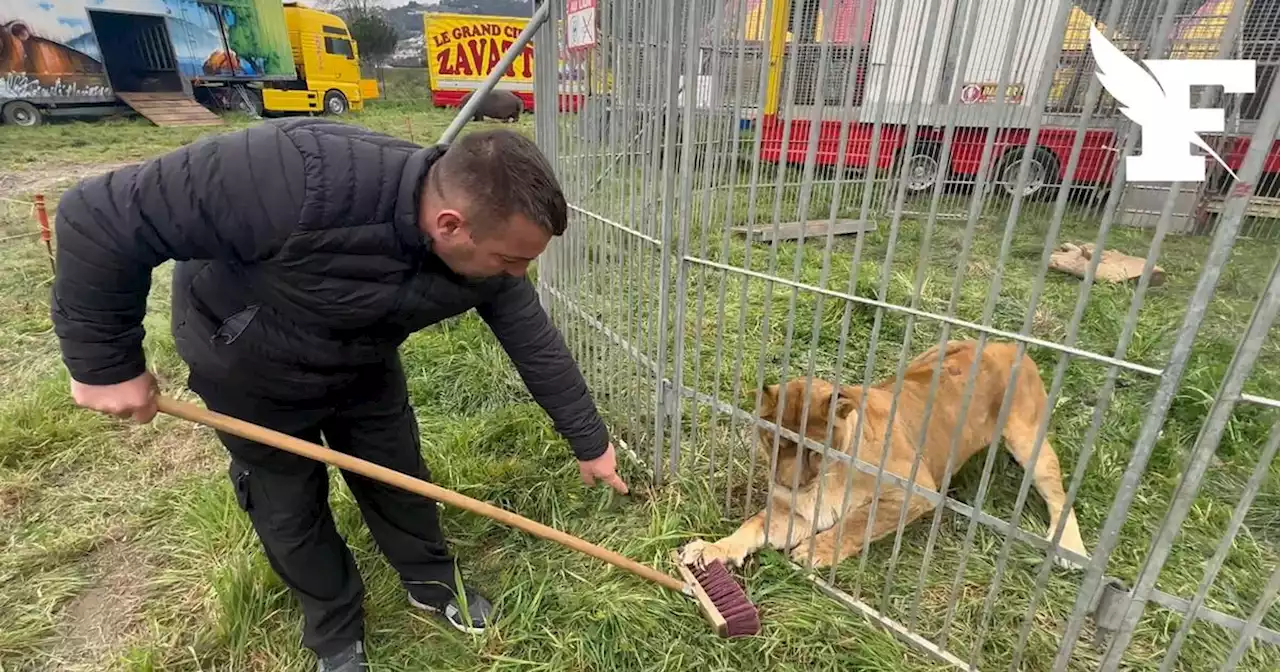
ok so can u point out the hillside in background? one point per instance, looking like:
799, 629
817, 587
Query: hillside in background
407, 20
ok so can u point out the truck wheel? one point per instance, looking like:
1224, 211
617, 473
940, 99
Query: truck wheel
335, 103
248, 100
923, 169
22, 113
1041, 178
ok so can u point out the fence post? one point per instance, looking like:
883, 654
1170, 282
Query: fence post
688, 149
545, 106
667, 401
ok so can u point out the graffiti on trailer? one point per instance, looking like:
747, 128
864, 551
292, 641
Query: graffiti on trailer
36, 67
50, 48
19, 85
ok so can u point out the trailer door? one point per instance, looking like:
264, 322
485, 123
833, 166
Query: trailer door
137, 51
897, 55
988, 51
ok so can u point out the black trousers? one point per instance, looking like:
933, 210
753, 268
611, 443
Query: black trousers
286, 498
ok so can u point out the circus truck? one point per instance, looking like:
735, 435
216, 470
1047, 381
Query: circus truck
175, 62
792, 37
462, 49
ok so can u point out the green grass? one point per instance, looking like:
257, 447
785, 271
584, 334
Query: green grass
135, 531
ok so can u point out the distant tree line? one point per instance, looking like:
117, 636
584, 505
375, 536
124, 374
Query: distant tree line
377, 30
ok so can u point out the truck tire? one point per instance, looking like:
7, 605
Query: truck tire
335, 103
22, 113
1042, 178
923, 167
248, 100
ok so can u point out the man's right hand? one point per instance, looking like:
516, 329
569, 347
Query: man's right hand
134, 398
603, 468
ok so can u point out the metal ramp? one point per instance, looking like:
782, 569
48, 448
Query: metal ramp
170, 109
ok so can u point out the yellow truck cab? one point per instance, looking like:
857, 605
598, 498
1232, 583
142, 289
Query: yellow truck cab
328, 63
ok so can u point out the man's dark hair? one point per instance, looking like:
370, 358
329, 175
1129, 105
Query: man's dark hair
503, 173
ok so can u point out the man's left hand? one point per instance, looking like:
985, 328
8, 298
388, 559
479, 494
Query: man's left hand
603, 468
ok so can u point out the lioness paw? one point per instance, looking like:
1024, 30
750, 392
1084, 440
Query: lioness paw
822, 556
699, 552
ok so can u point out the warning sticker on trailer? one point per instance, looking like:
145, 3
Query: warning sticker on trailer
985, 92
581, 24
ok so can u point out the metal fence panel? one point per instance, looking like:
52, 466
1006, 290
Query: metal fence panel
835, 193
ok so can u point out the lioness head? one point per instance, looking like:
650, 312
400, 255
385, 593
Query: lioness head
792, 457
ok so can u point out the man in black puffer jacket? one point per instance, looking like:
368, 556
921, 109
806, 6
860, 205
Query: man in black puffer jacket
307, 252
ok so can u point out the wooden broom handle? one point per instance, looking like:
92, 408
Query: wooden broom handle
252, 432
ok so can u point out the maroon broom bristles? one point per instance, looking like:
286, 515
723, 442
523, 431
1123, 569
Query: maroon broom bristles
741, 617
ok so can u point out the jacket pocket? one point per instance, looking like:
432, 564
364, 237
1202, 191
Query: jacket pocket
240, 482
235, 325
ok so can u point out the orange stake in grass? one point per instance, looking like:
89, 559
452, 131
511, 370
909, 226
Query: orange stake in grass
42, 218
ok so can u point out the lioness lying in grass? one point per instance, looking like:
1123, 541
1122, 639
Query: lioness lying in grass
1029, 406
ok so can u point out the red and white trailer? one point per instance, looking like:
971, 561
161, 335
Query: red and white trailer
906, 56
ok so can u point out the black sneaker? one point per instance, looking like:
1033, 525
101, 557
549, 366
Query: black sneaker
350, 659
478, 613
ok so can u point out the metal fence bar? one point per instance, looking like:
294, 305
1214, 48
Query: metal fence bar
711, 162
1108, 387
848, 485
544, 133
1250, 629
576, 143
754, 181
606, 135
753, 187
1260, 472
655, 159
903, 633
846, 128
623, 115
688, 149
952, 306
886, 273
1030, 462
868, 190
1006, 402
660, 153
1223, 240
922, 265
802, 215
955, 322
1100, 410
1018, 13
722, 286
635, 75
789, 77
667, 410
540, 14
562, 272
1211, 434
792, 68
573, 142
615, 224
1171, 602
